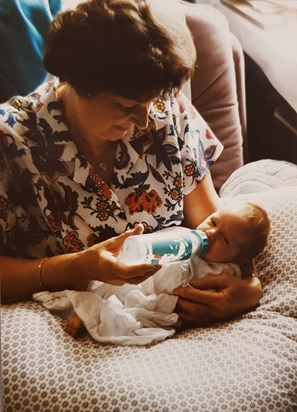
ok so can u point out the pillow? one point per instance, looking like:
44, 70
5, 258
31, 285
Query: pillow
260, 176
247, 364
273, 185
218, 84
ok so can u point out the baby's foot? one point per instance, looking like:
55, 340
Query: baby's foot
75, 326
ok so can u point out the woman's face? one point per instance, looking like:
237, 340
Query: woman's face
109, 117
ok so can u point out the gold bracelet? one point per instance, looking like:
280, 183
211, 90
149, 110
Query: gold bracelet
39, 274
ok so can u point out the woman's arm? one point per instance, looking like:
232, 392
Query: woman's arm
20, 277
200, 203
217, 298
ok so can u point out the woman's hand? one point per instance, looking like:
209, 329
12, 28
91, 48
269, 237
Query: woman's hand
100, 262
20, 278
217, 298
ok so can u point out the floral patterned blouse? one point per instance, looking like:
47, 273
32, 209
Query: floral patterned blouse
53, 202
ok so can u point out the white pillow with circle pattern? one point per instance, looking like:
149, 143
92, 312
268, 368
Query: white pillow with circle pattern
248, 364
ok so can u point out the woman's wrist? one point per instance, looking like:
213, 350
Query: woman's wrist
21, 278
58, 272
255, 289
39, 274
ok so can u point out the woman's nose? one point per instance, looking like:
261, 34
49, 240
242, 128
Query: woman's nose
140, 116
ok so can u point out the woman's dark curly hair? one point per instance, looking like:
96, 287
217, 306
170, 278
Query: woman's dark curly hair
120, 47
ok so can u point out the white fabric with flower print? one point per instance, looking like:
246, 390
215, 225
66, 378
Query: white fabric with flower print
63, 206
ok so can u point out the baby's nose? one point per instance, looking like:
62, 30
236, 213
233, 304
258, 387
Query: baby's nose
211, 233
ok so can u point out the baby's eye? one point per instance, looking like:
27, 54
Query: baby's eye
226, 240
213, 222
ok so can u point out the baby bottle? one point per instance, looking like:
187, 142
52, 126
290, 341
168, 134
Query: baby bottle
167, 245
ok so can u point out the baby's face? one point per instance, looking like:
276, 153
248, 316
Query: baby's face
227, 234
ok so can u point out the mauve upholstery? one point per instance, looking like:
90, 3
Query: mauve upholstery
217, 86
248, 364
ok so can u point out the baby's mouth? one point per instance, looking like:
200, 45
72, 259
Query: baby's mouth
208, 247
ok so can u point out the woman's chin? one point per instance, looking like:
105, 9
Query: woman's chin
116, 133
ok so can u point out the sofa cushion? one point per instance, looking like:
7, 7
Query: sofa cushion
272, 184
217, 85
247, 364
259, 177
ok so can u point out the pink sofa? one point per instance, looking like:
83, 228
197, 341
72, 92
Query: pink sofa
218, 89
248, 364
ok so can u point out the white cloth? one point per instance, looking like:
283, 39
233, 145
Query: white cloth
132, 314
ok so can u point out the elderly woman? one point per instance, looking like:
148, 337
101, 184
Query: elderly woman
110, 148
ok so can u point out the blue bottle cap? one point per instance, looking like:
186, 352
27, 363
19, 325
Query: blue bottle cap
203, 240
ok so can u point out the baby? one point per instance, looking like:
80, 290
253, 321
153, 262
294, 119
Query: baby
236, 233
141, 314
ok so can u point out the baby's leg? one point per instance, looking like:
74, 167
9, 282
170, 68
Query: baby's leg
75, 326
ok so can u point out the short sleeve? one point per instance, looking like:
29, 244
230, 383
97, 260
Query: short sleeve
200, 147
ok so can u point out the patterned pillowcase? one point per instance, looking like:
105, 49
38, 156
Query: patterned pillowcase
277, 264
259, 177
247, 364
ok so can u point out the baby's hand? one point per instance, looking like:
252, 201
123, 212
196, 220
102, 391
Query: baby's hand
75, 326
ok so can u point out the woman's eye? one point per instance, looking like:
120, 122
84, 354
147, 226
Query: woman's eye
128, 108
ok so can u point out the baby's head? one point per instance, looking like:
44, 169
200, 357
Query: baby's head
237, 232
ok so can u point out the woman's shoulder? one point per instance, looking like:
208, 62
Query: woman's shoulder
177, 104
20, 116
176, 107
179, 112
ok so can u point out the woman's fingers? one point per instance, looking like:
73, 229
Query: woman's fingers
130, 272
101, 262
114, 244
137, 230
217, 298
195, 313
195, 309
217, 282
136, 280
190, 320
120, 273
133, 278
206, 297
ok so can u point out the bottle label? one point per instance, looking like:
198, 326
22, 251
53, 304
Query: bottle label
168, 245
165, 251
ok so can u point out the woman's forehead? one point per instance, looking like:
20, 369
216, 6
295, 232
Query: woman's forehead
114, 98
130, 102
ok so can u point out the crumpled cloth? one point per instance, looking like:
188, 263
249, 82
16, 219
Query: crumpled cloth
132, 314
